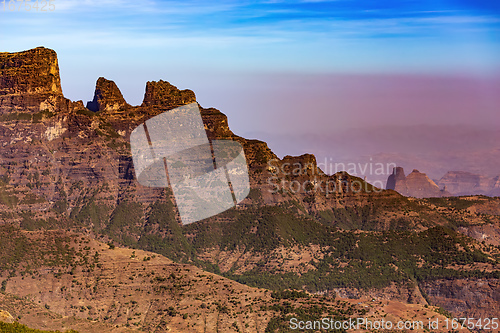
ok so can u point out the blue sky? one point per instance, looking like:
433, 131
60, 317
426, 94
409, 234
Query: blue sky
310, 36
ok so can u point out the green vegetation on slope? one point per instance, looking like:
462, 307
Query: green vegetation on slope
24, 253
310, 309
387, 250
374, 260
349, 258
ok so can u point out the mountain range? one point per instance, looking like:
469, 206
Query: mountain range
453, 183
433, 149
85, 247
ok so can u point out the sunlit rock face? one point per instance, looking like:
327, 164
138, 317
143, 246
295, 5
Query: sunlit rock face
30, 82
163, 94
107, 97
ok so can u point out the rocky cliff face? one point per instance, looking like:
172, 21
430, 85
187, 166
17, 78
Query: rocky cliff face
107, 97
397, 181
30, 82
465, 297
69, 151
421, 186
416, 184
163, 94
65, 154
488, 233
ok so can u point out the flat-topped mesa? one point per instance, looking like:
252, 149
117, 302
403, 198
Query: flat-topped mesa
303, 165
107, 97
30, 82
166, 96
466, 183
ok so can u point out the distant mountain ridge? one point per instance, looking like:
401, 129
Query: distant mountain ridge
416, 184
432, 149
467, 183
453, 183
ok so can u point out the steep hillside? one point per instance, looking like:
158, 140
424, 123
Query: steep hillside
67, 167
68, 281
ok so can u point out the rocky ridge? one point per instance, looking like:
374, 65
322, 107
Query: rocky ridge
53, 137
416, 184
453, 183
107, 97
466, 183
163, 94
30, 82
70, 168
